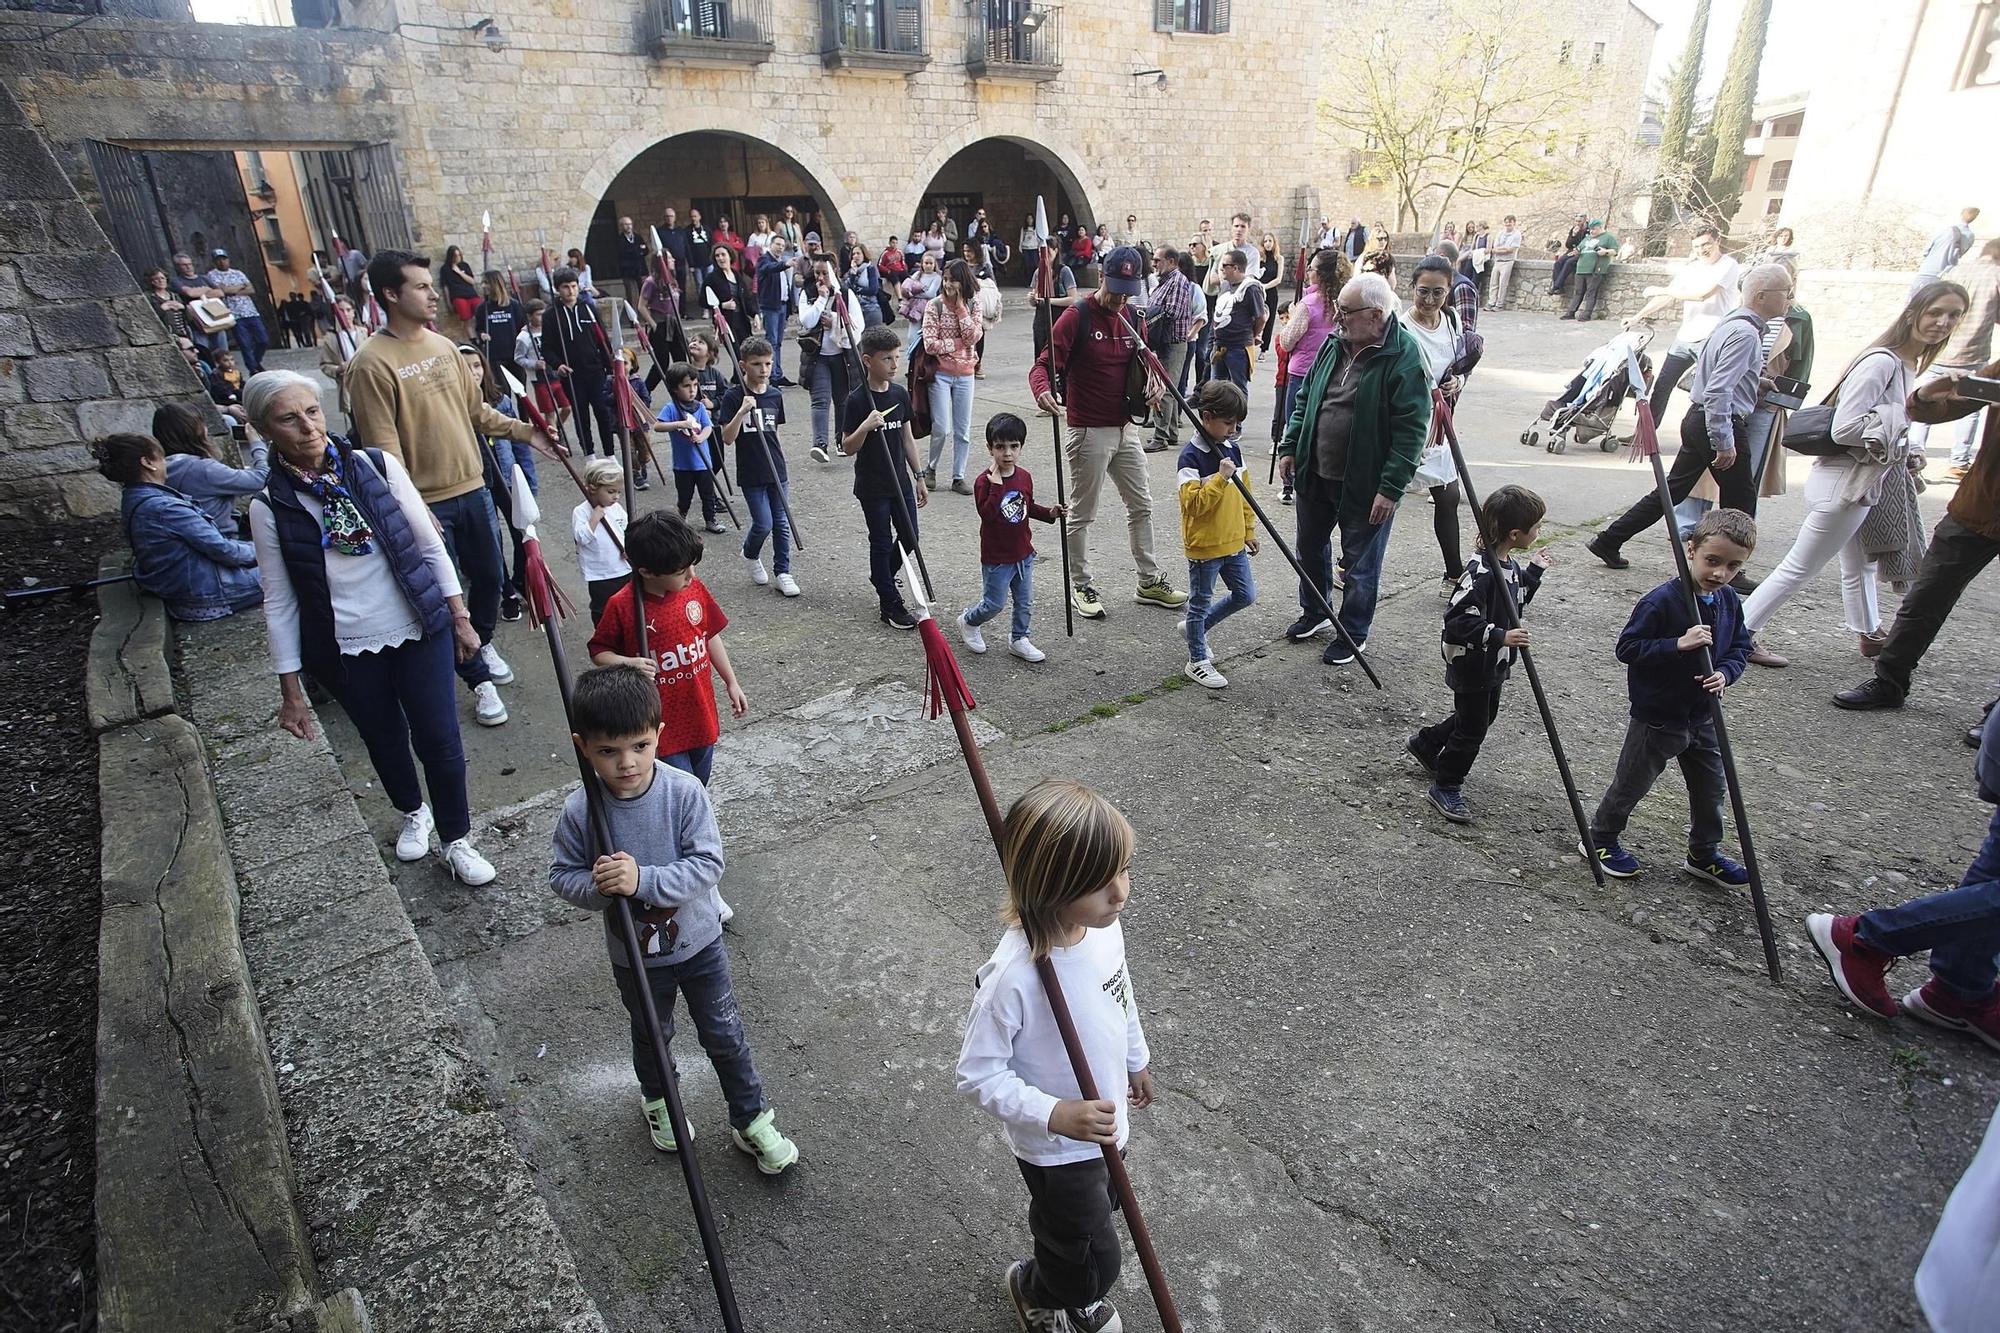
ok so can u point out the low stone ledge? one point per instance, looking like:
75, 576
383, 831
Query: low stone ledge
196, 1223
127, 677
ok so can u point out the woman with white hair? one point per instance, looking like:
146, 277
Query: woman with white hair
360, 591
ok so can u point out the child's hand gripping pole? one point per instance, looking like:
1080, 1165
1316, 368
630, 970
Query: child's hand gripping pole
770, 459
600, 843
947, 687
1159, 373
1646, 443
1441, 415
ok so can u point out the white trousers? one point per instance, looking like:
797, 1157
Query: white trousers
1830, 528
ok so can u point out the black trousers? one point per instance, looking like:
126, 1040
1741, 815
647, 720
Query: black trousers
687, 481
1076, 1246
590, 395
1738, 484
1954, 558
1453, 744
1672, 368
1444, 521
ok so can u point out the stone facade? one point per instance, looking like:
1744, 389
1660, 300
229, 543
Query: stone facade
81, 352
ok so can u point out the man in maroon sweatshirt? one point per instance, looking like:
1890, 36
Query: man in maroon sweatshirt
1083, 373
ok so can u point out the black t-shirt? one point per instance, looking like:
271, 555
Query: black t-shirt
458, 286
501, 324
880, 465
713, 388
753, 468
1243, 315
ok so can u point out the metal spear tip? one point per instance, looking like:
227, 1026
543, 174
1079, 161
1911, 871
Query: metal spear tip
486, 220
913, 583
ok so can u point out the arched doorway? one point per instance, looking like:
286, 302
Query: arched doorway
721, 172
1004, 175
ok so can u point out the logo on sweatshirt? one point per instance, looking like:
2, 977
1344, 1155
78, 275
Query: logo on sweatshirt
1014, 507
1117, 988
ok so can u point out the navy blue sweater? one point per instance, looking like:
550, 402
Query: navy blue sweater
1663, 680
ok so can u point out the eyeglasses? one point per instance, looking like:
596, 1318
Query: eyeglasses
1434, 293
1355, 309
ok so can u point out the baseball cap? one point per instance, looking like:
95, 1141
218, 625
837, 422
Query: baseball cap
812, 238
1123, 270
1597, 222
218, 254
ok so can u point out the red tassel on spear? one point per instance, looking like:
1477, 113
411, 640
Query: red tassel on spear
946, 690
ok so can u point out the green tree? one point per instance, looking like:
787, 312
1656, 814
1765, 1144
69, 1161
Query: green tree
1730, 121
1677, 134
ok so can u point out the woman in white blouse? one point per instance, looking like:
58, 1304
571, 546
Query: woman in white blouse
360, 591
1870, 424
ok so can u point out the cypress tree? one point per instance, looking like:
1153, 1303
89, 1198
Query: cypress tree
1675, 133
1733, 101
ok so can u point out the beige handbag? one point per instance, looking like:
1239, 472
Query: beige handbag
211, 315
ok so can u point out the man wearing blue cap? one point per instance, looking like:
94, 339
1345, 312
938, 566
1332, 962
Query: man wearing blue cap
1084, 373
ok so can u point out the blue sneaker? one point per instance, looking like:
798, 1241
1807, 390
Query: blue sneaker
1450, 804
1717, 869
1616, 861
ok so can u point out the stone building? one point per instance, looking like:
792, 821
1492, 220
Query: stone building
407, 119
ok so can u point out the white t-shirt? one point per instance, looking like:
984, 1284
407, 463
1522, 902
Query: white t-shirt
1439, 346
596, 557
1013, 1063
1699, 318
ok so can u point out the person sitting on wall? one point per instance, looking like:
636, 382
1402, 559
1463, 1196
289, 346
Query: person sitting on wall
178, 555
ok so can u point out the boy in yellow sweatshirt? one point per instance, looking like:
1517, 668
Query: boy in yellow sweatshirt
1218, 528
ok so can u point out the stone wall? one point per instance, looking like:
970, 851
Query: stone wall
81, 352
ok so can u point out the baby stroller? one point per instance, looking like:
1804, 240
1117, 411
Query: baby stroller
1589, 404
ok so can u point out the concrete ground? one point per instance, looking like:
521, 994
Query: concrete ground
1416, 1077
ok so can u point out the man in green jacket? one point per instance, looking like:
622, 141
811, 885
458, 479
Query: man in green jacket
1352, 445
1594, 259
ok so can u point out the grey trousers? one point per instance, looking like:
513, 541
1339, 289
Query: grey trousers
1648, 748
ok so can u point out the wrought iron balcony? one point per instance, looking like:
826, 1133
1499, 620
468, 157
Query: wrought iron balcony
712, 32
873, 34
1015, 39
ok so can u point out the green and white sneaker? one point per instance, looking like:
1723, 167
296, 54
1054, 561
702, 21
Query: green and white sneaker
661, 1125
1087, 603
1156, 591
773, 1151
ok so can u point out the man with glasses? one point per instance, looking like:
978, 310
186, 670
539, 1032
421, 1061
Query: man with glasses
1174, 303
1239, 320
1715, 433
1356, 432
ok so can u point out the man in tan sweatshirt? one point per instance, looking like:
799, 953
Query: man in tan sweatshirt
409, 394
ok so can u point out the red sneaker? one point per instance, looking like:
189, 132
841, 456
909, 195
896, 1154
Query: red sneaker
1855, 968
1938, 1006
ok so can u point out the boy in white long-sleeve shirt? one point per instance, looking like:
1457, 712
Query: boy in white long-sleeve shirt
1067, 852
598, 526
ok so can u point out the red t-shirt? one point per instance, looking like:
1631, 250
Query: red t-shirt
678, 628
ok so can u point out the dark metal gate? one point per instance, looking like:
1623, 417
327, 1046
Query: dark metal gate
358, 193
158, 201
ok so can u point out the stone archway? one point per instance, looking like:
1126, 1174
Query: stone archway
1011, 168
742, 162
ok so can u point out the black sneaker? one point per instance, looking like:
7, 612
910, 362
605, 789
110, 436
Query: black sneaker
510, 607
898, 617
1032, 1318
1285, 497
1450, 804
1306, 626
1099, 1317
1869, 696
1415, 751
642, 482
1598, 547
1744, 585
1339, 654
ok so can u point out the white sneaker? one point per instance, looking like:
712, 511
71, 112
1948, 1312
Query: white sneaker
970, 633
1204, 673
468, 866
788, 585
819, 453
755, 565
1027, 651
723, 911
496, 665
486, 706
414, 842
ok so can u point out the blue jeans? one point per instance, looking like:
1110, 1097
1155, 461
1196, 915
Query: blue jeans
1961, 927
696, 763
885, 526
767, 518
1317, 509
703, 979
951, 410
472, 537
252, 341
399, 698
997, 581
1204, 349
1204, 614
774, 333
1235, 367
826, 380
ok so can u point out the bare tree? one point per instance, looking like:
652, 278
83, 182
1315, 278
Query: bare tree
1464, 106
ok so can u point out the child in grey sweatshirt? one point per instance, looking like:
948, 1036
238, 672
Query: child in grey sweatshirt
668, 859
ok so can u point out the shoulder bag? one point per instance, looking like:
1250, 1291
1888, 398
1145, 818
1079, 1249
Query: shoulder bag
1809, 431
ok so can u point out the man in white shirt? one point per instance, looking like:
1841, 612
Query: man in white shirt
1706, 288
1945, 249
234, 284
1506, 249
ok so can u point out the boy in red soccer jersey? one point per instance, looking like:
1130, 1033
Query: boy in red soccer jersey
683, 625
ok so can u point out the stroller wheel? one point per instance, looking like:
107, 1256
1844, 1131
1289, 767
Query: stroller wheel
1609, 444
1531, 437
1558, 444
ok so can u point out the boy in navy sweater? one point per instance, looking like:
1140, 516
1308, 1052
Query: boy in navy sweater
1673, 703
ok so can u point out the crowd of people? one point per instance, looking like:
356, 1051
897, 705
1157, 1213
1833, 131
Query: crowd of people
380, 556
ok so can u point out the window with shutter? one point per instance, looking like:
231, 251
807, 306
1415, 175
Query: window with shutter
1218, 18
1163, 15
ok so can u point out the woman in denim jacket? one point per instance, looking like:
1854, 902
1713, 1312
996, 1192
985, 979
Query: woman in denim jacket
178, 555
